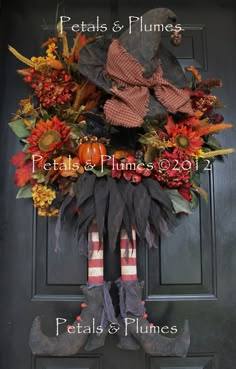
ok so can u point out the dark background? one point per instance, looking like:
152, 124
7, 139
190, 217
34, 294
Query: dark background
190, 276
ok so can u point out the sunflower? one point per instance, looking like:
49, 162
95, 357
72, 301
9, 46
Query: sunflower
47, 137
184, 138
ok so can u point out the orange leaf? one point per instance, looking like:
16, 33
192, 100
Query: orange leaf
49, 41
19, 159
79, 42
23, 174
55, 64
170, 125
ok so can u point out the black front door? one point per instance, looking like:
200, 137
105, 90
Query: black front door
189, 277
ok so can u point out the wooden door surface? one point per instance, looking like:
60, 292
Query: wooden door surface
191, 276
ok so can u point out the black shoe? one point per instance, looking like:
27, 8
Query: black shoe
132, 309
66, 344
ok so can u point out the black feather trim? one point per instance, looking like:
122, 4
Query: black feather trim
101, 196
142, 203
117, 204
115, 212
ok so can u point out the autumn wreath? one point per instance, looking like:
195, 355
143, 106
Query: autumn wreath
114, 140
65, 133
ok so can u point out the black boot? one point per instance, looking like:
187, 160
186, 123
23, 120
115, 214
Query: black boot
133, 313
126, 341
66, 344
97, 340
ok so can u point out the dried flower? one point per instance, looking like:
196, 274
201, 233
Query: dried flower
197, 76
52, 87
43, 197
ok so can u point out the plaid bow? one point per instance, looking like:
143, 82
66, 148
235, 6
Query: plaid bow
129, 104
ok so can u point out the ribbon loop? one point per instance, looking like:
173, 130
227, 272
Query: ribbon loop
129, 105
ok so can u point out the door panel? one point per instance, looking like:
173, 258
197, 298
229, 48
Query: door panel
189, 276
72, 363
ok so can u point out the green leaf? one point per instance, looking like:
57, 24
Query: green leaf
213, 143
19, 128
179, 203
44, 113
77, 129
25, 192
100, 173
195, 178
39, 176
194, 201
25, 149
150, 154
203, 193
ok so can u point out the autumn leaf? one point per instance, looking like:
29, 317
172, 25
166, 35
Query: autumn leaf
23, 174
24, 171
18, 159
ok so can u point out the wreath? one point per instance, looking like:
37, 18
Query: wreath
114, 139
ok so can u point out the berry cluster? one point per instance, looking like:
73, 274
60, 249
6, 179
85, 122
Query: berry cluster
131, 168
52, 87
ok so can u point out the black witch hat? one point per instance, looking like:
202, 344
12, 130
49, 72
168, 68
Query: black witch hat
145, 47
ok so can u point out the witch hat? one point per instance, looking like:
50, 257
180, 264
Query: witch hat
143, 77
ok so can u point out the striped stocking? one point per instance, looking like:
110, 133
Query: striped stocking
128, 265
95, 262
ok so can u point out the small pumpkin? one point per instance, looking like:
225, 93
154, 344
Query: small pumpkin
121, 154
90, 153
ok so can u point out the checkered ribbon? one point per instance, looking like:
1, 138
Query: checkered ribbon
129, 104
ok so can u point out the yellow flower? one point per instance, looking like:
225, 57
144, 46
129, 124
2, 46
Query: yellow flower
27, 108
48, 213
51, 50
38, 59
43, 197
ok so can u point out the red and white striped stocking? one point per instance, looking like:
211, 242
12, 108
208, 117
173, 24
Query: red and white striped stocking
95, 262
128, 265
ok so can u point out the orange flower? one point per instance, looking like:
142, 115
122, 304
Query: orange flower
69, 167
184, 138
47, 137
197, 76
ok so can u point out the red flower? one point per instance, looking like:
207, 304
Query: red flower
201, 101
173, 170
47, 137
